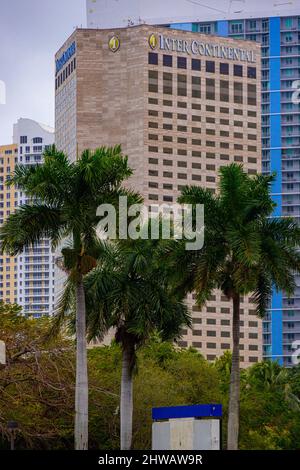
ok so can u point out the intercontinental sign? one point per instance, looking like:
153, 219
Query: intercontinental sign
195, 47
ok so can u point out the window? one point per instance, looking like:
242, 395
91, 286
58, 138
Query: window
181, 85
211, 333
251, 72
236, 27
196, 87
167, 83
181, 104
288, 22
23, 139
224, 90
238, 70
181, 62
153, 81
265, 25
210, 88
251, 95
252, 25
168, 61
153, 58
205, 28
224, 68
196, 64
210, 66
238, 92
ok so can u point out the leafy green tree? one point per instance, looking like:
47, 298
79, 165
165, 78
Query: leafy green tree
130, 292
65, 197
37, 390
245, 251
36, 383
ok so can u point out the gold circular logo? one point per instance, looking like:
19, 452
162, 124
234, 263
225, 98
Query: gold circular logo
114, 44
153, 42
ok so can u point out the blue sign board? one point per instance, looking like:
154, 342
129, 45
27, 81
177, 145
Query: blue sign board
66, 56
194, 411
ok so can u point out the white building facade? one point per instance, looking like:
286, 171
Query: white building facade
35, 266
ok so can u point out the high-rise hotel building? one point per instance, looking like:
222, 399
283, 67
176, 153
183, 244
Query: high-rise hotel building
35, 266
181, 105
8, 201
276, 26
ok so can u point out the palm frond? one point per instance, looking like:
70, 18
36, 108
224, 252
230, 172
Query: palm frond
28, 225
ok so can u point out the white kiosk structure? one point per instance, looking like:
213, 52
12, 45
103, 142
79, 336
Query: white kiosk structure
196, 427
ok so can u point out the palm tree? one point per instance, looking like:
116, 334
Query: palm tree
65, 197
245, 251
130, 292
269, 375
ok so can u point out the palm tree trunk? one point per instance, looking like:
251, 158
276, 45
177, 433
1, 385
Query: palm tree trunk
234, 394
126, 406
81, 392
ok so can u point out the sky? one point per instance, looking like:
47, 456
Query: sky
31, 31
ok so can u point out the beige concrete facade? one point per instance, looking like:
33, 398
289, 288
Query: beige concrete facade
181, 104
8, 289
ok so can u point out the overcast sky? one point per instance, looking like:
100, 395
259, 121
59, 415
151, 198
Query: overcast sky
31, 31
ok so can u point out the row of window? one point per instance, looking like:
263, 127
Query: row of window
210, 65
237, 27
170, 88
208, 120
35, 140
212, 357
197, 165
184, 176
196, 153
9, 152
35, 148
198, 107
68, 70
208, 132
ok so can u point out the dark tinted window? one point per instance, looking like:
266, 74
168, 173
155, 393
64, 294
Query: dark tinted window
210, 66
224, 68
153, 58
181, 62
196, 64
167, 60
251, 72
238, 70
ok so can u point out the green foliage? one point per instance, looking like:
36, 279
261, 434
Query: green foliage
130, 291
36, 383
65, 196
245, 250
37, 390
